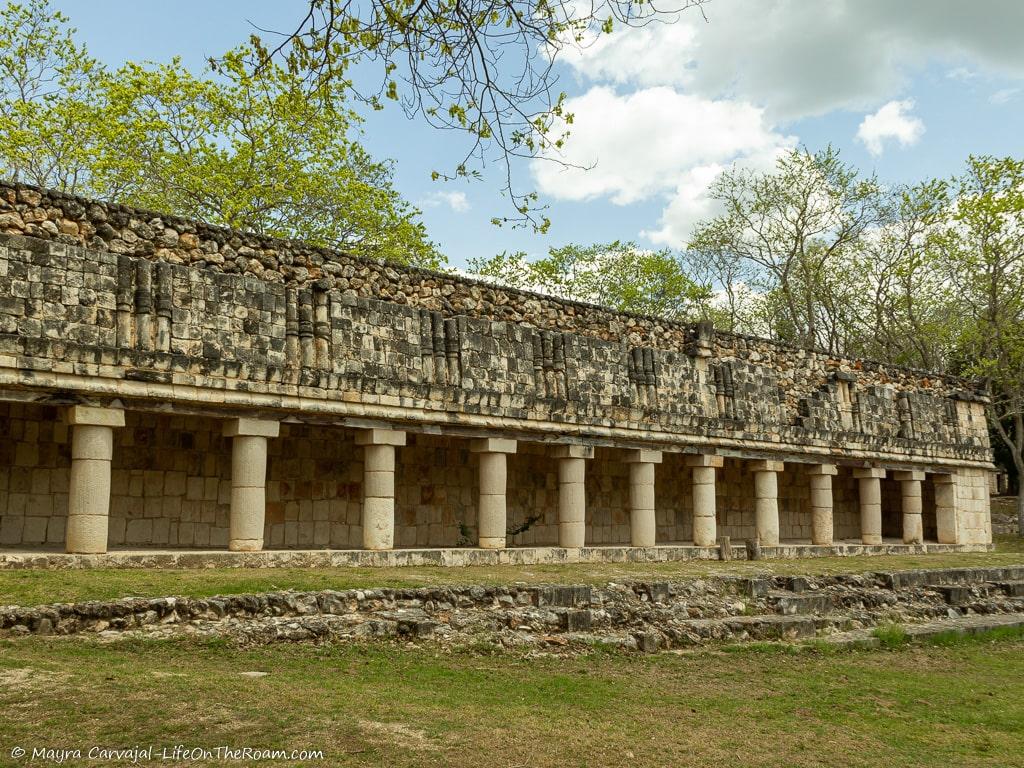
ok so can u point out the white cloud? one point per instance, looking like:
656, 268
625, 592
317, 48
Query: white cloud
892, 121
963, 74
798, 59
1003, 96
691, 203
706, 94
632, 147
657, 143
457, 201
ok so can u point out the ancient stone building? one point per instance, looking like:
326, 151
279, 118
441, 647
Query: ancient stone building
169, 385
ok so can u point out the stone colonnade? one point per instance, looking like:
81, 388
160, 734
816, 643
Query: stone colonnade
92, 448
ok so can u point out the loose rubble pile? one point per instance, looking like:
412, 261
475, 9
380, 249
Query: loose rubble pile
644, 616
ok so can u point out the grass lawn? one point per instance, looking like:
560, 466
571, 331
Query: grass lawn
33, 587
956, 704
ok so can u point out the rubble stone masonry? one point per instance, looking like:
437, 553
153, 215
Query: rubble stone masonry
342, 393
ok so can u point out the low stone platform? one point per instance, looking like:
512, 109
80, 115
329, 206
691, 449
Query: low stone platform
632, 615
454, 557
958, 625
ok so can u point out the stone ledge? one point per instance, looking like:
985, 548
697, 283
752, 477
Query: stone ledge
360, 558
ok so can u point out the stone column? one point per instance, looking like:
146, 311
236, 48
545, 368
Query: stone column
642, 524
379, 486
870, 503
92, 445
705, 525
248, 481
910, 490
492, 514
945, 508
822, 525
766, 501
572, 493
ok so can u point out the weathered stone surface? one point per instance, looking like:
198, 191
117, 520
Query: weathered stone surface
644, 616
110, 306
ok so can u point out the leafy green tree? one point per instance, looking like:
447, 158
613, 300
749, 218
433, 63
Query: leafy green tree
793, 231
239, 147
618, 275
47, 99
251, 152
905, 309
981, 252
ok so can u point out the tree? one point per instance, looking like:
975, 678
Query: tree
906, 309
618, 275
485, 67
251, 152
239, 147
793, 231
47, 101
981, 248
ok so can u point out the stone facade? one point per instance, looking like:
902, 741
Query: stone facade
237, 391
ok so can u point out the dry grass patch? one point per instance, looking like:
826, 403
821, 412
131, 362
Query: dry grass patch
388, 705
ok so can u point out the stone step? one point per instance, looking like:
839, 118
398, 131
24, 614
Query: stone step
791, 603
962, 625
1011, 588
565, 597
764, 627
932, 576
954, 594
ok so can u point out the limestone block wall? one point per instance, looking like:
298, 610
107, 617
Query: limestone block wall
314, 488
170, 482
437, 487
673, 499
846, 505
794, 503
532, 496
892, 508
35, 457
734, 492
607, 484
110, 317
972, 504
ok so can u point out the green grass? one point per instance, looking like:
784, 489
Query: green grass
890, 635
33, 587
988, 636
960, 704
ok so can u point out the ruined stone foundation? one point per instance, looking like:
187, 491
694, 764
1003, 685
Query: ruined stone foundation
168, 385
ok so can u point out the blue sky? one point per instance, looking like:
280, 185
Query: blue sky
907, 89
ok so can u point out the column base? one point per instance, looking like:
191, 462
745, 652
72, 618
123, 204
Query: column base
86, 535
705, 533
245, 545
496, 543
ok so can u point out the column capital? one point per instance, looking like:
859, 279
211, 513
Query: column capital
574, 452
642, 456
766, 465
944, 478
492, 445
822, 469
868, 473
251, 428
904, 475
93, 416
380, 437
704, 460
